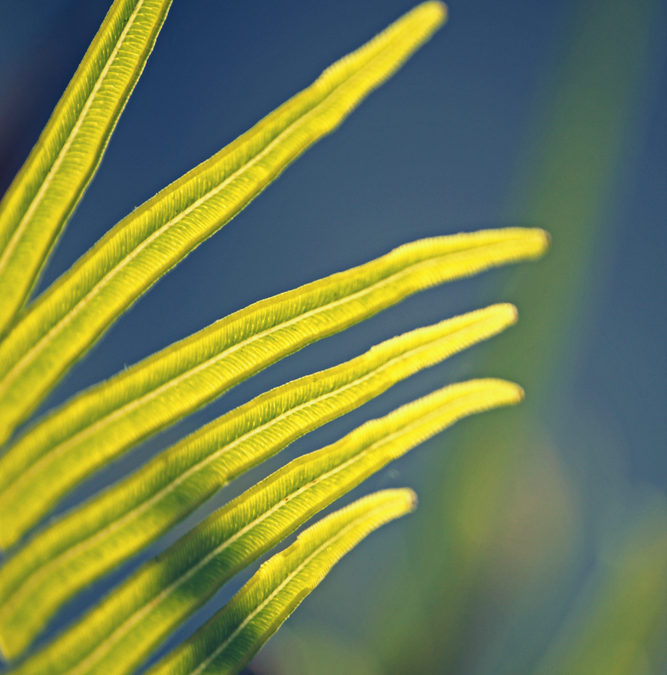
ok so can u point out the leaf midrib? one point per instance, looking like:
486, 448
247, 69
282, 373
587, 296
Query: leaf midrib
57, 450
304, 563
116, 635
36, 200
34, 351
139, 509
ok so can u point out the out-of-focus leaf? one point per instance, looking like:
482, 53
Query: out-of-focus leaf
620, 622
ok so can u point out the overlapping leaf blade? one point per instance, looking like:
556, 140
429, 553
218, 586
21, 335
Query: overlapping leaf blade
230, 639
91, 540
122, 630
44, 193
67, 319
102, 422
97, 426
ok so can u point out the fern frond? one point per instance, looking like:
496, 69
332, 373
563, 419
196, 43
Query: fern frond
91, 540
102, 422
231, 638
54, 177
123, 629
72, 314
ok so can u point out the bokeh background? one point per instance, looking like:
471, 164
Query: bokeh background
540, 544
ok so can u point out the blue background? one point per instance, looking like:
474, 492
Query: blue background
458, 140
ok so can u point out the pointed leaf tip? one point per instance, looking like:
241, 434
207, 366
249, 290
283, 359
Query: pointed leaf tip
76, 310
89, 541
439, 10
128, 625
88, 427
542, 240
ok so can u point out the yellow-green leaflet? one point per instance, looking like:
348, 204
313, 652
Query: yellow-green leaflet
91, 540
71, 315
124, 628
230, 639
107, 419
54, 177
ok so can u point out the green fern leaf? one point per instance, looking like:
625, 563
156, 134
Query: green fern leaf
45, 192
71, 315
101, 423
231, 638
123, 629
91, 540
40, 343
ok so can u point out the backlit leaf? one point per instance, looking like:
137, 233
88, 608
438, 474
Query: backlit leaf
92, 539
124, 628
104, 421
229, 640
72, 314
43, 195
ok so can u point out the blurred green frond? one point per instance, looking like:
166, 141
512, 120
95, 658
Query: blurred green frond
619, 622
229, 640
43, 195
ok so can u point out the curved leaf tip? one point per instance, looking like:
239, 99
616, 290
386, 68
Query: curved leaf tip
123, 629
105, 420
229, 640
72, 314
91, 540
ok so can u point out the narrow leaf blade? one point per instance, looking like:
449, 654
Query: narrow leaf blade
91, 540
54, 177
104, 421
233, 636
123, 629
71, 315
